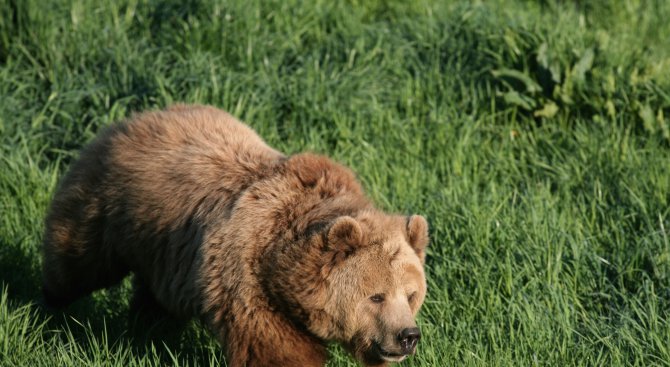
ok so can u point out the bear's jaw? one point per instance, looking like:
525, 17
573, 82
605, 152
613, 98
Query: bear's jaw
395, 359
376, 351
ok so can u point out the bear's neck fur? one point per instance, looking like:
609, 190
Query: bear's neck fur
322, 190
279, 221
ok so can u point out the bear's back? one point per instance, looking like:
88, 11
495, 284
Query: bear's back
170, 177
177, 159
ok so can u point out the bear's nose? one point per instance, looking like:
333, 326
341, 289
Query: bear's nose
408, 339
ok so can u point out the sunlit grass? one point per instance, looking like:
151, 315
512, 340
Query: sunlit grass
534, 136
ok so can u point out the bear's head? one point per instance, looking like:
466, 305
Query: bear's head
374, 284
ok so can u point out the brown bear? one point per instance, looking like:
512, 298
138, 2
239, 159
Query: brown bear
278, 255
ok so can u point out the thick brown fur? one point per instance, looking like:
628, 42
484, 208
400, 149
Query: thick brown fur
277, 255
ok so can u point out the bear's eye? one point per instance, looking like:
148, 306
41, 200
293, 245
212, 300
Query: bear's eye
411, 297
377, 298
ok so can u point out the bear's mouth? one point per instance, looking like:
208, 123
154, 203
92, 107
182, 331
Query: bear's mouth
386, 355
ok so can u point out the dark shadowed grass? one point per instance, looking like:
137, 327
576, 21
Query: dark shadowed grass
534, 136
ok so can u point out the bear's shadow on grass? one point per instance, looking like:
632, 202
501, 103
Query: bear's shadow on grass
105, 315
139, 330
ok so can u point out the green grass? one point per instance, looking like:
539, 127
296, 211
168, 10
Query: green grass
535, 136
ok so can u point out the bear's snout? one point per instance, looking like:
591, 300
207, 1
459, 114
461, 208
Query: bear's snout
408, 339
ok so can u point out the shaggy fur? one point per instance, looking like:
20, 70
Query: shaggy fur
277, 255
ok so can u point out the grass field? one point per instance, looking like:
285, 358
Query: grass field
534, 136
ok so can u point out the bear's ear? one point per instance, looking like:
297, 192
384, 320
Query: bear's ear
343, 237
417, 235
345, 234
